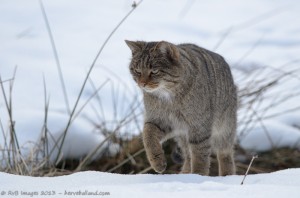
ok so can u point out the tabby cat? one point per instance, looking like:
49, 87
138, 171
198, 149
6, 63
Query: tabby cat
189, 95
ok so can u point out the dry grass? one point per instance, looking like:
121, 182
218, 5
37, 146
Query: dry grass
37, 160
132, 160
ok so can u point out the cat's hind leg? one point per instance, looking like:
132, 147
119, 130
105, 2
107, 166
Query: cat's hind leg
226, 162
200, 151
223, 138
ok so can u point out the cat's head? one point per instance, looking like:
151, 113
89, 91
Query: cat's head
154, 65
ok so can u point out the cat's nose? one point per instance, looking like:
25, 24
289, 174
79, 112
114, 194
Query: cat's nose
143, 82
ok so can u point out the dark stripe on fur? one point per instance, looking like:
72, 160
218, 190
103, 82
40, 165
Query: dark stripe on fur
199, 140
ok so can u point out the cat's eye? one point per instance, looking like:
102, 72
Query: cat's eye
154, 71
137, 71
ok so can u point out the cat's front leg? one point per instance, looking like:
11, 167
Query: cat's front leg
185, 152
152, 136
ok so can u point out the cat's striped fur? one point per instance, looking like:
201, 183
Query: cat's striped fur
189, 95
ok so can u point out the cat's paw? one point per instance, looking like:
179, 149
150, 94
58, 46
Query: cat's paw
159, 163
186, 168
185, 172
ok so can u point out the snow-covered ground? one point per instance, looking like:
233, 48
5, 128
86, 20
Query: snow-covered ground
251, 35
95, 184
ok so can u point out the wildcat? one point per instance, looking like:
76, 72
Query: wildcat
189, 95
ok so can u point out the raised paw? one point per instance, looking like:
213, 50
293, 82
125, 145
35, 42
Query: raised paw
158, 163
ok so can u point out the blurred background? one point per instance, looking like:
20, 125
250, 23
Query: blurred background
68, 102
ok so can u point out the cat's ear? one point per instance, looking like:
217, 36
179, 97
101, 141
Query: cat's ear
168, 49
135, 46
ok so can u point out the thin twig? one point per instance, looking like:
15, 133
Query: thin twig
44, 135
146, 170
126, 160
5, 81
253, 158
186, 8
249, 51
90, 98
60, 73
222, 39
87, 159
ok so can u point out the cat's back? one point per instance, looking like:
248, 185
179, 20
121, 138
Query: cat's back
212, 70
204, 55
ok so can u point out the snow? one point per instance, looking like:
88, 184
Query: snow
277, 135
259, 37
276, 185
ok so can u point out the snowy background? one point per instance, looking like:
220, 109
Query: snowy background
256, 38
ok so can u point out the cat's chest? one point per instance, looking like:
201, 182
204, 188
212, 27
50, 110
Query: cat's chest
169, 115
169, 111
175, 121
